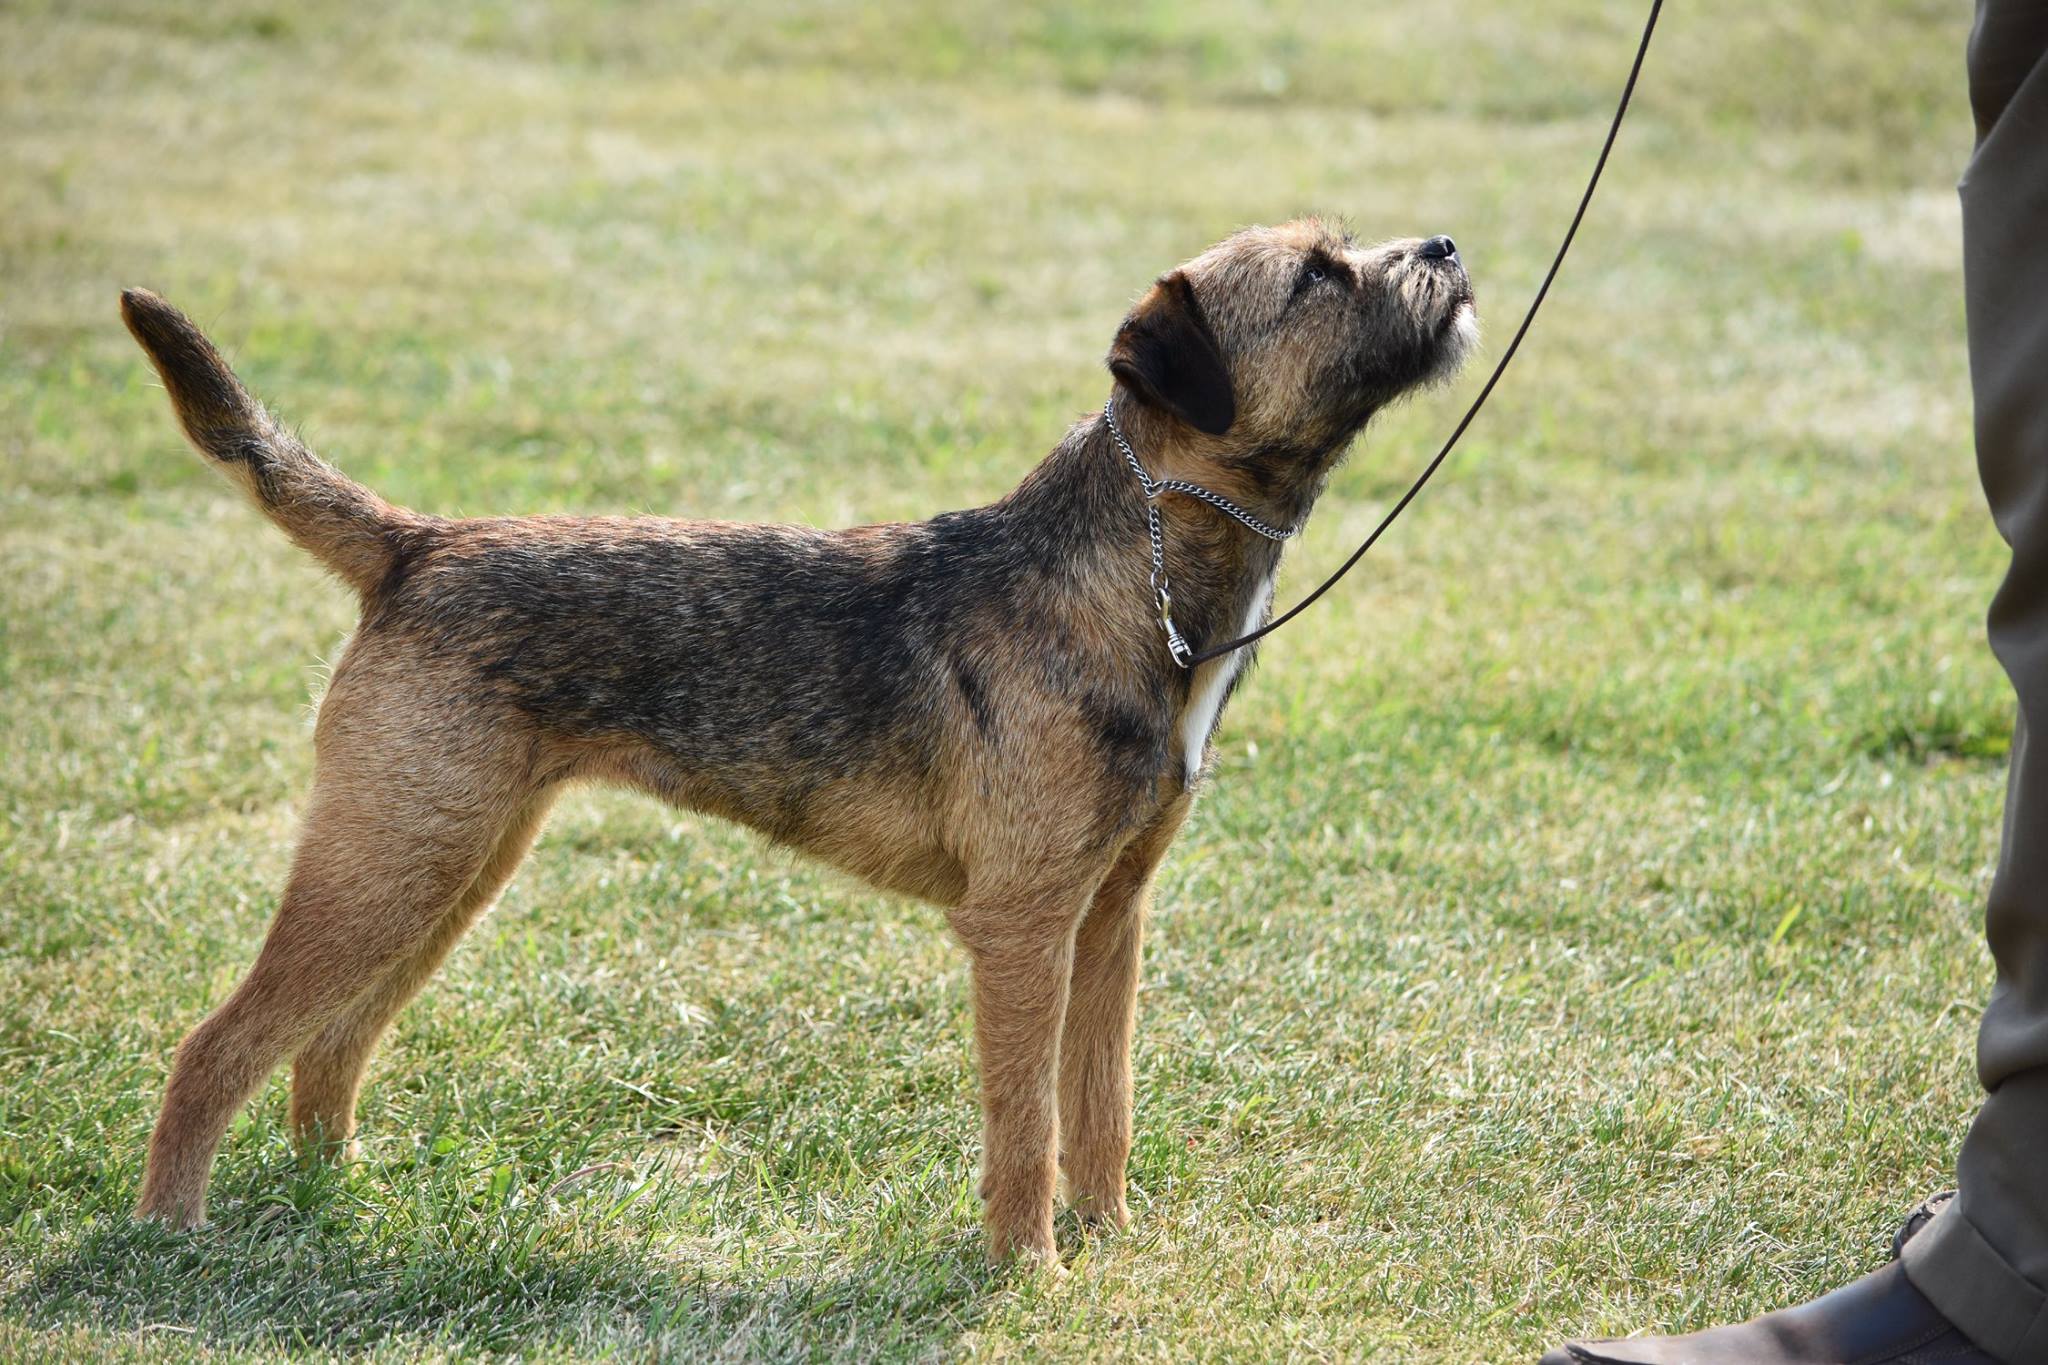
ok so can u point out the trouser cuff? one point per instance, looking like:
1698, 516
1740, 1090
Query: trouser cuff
1977, 1289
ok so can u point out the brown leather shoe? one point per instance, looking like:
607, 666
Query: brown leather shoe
1881, 1319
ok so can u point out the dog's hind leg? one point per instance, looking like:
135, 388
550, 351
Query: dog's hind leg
407, 809
327, 1073
1095, 1046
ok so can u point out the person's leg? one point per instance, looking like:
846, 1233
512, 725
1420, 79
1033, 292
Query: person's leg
1973, 1279
1984, 1263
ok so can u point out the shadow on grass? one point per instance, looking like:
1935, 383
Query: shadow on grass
333, 1281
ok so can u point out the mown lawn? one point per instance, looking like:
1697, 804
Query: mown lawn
1582, 929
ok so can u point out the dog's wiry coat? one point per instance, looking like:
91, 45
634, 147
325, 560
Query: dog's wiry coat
978, 709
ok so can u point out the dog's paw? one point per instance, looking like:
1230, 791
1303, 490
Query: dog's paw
1031, 1263
1030, 1249
176, 1217
1101, 1209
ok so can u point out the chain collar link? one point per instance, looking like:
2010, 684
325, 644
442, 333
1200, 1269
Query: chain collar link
1162, 591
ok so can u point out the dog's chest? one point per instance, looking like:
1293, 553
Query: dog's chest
1211, 687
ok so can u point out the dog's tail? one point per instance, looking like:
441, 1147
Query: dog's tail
341, 523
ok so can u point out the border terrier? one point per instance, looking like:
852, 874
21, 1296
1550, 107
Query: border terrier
981, 710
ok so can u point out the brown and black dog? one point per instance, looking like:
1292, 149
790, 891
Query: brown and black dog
980, 709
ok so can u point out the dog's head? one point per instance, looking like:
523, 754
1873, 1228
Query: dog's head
1279, 343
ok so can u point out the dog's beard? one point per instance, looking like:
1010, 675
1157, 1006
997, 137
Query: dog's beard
1456, 342
1441, 305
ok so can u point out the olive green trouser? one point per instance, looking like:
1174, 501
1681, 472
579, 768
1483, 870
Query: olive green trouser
1984, 1262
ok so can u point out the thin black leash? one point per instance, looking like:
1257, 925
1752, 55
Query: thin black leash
1628, 90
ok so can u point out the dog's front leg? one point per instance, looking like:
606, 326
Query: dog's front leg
1095, 1046
1022, 950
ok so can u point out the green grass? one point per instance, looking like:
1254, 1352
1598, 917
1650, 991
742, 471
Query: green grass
1582, 930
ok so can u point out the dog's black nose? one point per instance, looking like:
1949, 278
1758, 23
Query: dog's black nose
1439, 249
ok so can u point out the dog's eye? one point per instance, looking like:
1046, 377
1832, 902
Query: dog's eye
1309, 278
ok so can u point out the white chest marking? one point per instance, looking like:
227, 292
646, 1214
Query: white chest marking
1212, 680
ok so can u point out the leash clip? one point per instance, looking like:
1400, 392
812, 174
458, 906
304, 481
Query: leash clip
1175, 645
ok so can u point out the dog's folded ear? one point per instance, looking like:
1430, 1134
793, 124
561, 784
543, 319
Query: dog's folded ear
1166, 354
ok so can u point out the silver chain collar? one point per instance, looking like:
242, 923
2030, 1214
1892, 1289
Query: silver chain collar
1162, 592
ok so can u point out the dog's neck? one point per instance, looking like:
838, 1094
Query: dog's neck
1086, 503
1233, 465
